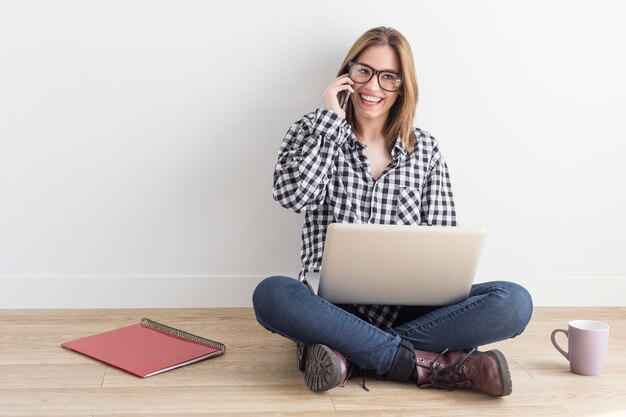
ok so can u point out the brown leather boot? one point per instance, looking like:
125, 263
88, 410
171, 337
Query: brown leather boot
487, 372
323, 367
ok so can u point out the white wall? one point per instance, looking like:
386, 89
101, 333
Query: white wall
138, 139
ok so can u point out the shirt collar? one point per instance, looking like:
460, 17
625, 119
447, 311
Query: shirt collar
352, 140
398, 149
396, 152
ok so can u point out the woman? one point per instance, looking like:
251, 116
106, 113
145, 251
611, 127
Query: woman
368, 164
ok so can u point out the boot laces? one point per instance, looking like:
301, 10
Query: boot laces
450, 375
353, 371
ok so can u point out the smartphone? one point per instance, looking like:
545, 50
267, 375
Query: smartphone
344, 96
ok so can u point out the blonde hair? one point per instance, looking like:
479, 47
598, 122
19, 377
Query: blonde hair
400, 119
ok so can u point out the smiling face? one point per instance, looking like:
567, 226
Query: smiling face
370, 101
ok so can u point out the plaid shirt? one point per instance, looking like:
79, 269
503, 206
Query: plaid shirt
323, 171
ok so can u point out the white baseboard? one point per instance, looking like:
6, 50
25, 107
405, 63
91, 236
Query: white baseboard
197, 291
127, 291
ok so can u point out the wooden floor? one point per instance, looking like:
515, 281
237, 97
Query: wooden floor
257, 376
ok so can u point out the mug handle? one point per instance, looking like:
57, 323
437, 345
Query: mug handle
556, 345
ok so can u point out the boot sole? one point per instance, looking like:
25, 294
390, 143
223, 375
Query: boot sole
505, 374
322, 369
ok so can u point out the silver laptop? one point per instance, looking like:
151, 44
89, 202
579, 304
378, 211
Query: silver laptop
397, 265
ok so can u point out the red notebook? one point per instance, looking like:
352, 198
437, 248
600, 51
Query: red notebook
147, 348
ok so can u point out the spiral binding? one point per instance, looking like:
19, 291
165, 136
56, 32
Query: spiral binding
181, 334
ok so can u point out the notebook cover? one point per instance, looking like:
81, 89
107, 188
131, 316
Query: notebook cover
141, 350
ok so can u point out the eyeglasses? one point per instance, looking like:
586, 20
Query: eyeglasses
361, 74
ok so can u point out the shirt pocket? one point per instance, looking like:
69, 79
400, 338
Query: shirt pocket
408, 206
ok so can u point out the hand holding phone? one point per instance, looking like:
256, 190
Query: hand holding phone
337, 94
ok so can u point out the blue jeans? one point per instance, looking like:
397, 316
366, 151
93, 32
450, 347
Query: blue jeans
493, 311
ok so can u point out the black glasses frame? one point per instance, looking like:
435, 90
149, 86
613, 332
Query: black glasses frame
376, 73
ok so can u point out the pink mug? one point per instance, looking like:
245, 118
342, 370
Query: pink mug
587, 345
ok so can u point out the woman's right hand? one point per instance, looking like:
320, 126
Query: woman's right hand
330, 95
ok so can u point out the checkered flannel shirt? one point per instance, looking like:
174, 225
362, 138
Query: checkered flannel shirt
323, 171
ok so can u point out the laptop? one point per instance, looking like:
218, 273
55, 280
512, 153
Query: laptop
397, 264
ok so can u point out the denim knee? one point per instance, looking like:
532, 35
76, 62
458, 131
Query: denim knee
517, 305
270, 295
